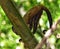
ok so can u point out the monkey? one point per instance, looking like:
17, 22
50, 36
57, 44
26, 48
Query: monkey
32, 17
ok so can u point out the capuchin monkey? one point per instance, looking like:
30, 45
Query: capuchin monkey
32, 17
34, 14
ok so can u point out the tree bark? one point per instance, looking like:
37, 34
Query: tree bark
19, 24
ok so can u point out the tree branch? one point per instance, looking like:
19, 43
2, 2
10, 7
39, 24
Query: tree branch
47, 35
18, 23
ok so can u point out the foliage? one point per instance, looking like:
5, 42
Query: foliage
9, 40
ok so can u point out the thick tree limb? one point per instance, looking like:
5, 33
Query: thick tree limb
18, 23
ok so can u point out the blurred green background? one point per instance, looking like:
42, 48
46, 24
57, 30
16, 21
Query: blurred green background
9, 40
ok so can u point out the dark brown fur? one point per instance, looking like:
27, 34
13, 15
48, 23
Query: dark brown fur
34, 14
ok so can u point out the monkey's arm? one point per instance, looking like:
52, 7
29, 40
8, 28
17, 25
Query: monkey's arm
33, 15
